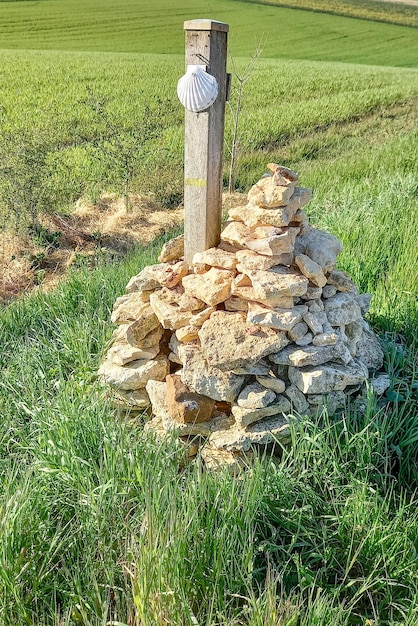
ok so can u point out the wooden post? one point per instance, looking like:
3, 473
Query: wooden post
206, 44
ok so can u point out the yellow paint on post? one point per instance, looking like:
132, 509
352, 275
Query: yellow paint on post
196, 182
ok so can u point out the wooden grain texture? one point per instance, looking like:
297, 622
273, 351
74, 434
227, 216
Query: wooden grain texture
204, 136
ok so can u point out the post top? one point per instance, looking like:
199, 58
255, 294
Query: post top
206, 25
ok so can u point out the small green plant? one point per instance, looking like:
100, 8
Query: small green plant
124, 149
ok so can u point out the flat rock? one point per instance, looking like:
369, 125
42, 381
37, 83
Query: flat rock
332, 401
280, 319
268, 193
245, 416
249, 260
186, 334
321, 247
228, 341
172, 250
271, 382
272, 287
311, 270
380, 384
128, 308
168, 274
174, 308
234, 303
298, 331
311, 355
199, 318
212, 287
342, 309
134, 375
216, 459
262, 367
325, 339
145, 323
237, 234
314, 323
254, 216
186, 406
205, 379
142, 282
137, 400
327, 378
255, 396
214, 257
269, 430
123, 352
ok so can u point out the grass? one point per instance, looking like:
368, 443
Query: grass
390, 12
100, 523
136, 27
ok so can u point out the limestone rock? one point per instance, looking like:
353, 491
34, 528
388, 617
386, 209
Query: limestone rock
305, 341
172, 250
211, 287
327, 378
199, 318
246, 416
369, 351
254, 216
298, 400
267, 193
312, 293
261, 368
142, 282
174, 307
134, 375
325, 339
205, 379
280, 319
269, 430
128, 308
249, 260
342, 309
168, 274
234, 303
272, 287
215, 258
341, 281
135, 400
186, 334
271, 382
311, 270
228, 341
314, 323
255, 396
237, 234
145, 323
123, 352
328, 291
320, 246
298, 331
380, 384
186, 406
311, 355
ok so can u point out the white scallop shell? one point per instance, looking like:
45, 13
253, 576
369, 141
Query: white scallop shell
197, 89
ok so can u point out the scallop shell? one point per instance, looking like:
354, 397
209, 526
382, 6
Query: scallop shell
197, 89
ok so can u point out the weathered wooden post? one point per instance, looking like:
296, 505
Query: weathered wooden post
206, 46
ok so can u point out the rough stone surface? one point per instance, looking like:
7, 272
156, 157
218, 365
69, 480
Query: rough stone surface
311, 270
327, 378
228, 341
249, 260
255, 396
137, 400
255, 216
142, 282
267, 193
134, 375
207, 380
128, 308
186, 406
298, 400
201, 317
187, 333
245, 416
234, 303
280, 319
211, 287
172, 250
369, 351
341, 281
174, 307
145, 323
168, 274
325, 339
312, 355
332, 401
298, 331
320, 246
215, 258
216, 459
268, 430
123, 352
342, 309
380, 384
271, 382
314, 323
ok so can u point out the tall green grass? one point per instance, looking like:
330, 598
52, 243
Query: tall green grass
131, 26
103, 525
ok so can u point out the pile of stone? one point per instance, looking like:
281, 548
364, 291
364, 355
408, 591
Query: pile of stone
257, 330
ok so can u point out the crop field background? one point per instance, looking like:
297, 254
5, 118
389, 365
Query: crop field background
100, 524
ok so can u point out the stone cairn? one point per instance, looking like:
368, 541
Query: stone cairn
260, 329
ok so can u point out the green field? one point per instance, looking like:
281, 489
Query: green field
100, 524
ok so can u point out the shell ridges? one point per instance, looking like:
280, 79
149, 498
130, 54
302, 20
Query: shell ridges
197, 90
